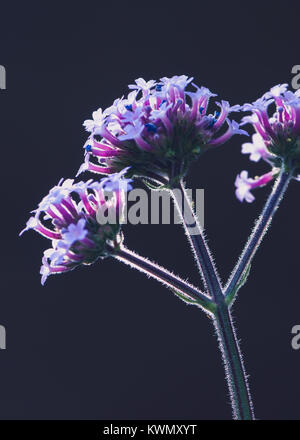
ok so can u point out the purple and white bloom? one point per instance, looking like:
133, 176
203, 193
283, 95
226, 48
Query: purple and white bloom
92, 124
117, 181
69, 220
141, 84
74, 232
178, 81
257, 149
277, 137
30, 224
158, 130
277, 90
132, 131
233, 128
245, 184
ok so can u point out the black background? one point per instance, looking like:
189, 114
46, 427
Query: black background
104, 342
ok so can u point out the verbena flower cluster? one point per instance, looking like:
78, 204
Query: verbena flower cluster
276, 139
158, 130
68, 216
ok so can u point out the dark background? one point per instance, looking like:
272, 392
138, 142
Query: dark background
105, 342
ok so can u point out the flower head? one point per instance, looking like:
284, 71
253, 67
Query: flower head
245, 184
68, 216
277, 138
158, 130
277, 134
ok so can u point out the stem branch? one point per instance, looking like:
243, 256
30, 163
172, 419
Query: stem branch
195, 235
259, 230
155, 271
235, 371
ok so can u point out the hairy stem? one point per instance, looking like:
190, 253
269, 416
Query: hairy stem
164, 276
235, 372
259, 230
236, 377
196, 237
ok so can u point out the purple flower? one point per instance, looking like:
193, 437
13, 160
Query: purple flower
277, 135
117, 182
75, 232
132, 131
245, 184
281, 130
68, 217
158, 130
233, 128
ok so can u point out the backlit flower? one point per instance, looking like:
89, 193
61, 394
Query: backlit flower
158, 130
68, 216
245, 184
277, 135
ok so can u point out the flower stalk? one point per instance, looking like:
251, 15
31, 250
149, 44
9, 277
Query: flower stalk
236, 376
187, 291
241, 402
196, 237
261, 227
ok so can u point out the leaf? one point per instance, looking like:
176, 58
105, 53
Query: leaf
154, 187
207, 305
185, 298
231, 295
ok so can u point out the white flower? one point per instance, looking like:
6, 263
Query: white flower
114, 127
243, 186
132, 131
132, 115
31, 224
82, 186
235, 128
56, 195
113, 108
200, 92
124, 104
45, 268
180, 81
257, 149
116, 182
57, 254
161, 111
225, 106
84, 166
75, 232
291, 98
141, 84
97, 121
277, 90
250, 119
260, 104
